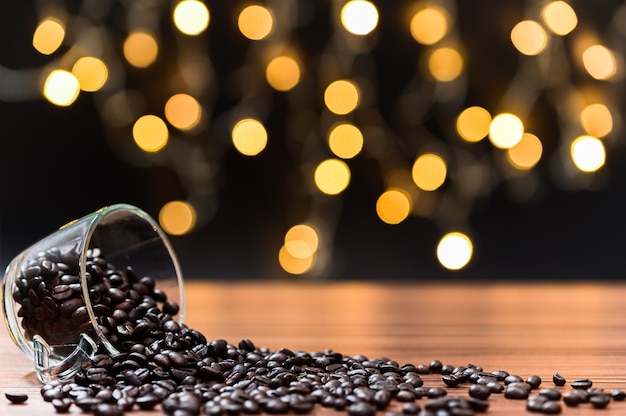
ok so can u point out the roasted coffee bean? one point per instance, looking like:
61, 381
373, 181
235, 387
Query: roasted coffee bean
582, 384
535, 403
411, 408
107, 409
551, 407
479, 391
15, 397
450, 380
571, 398
558, 379
361, 408
551, 394
534, 381
62, 405
618, 395
517, 393
600, 401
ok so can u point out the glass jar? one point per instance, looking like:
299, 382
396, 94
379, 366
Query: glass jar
79, 290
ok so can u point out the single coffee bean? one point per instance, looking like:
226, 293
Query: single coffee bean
62, 405
411, 408
600, 401
558, 379
582, 384
535, 403
450, 380
534, 381
551, 394
479, 391
551, 408
618, 395
516, 393
15, 397
571, 398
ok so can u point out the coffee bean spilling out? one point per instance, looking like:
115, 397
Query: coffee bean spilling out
164, 364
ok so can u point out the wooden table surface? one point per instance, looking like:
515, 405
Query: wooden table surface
576, 329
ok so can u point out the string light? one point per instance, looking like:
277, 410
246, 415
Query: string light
430, 151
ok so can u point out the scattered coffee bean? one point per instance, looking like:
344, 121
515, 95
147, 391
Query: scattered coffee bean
618, 395
15, 397
551, 394
551, 408
558, 379
571, 398
534, 381
600, 401
582, 384
479, 391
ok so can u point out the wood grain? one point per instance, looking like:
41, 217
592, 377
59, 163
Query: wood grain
577, 329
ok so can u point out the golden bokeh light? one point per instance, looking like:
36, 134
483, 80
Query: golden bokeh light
191, 17
345, 140
61, 88
332, 176
560, 18
472, 124
529, 37
294, 265
600, 62
301, 241
429, 25
283, 73
445, 64
505, 130
359, 17
140, 49
91, 73
48, 36
596, 119
526, 153
249, 136
455, 250
429, 171
393, 206
588, 153
150, 133
342, 96
177, 217
183, 111
255, 22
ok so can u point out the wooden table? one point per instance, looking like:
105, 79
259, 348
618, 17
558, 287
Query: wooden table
577, 329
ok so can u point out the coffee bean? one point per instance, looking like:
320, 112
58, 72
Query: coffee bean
516, 393
600, 401
582, 384
15, 397
479, 391
571, 399
551, 394
618, 395
558, 379
107, 409
361, 408
534, 381
551, 408
62, 405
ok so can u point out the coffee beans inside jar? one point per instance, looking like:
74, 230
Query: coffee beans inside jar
163, 364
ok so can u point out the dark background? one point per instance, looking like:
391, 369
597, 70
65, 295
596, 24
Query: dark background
56, 165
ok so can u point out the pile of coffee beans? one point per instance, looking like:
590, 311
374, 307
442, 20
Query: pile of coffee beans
163, 364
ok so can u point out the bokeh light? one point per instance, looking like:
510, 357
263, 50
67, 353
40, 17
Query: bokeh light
529, 37
183, 111
249, 136
445, 64
301, 241
599, 62
150, 133
393, 206
455, 250
61, 88
177, 217
48, 36
526, 153
332, 176
359, 17
255, 22
345, 140
429, 171
283, 73
473, 123
429, 25
560, 18
505, 130
596, 119
342, 96
91, 73
191, 17
141, 49
588, 153
294, 265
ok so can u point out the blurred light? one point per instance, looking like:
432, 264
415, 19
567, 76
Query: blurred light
445, 64
596, 119
526, 153
255, 22
430, 25
91, 73
294, 265
454, 250
332, 176
588, 153
61, 88
150, 133
249, 136
191, 17
141, 49
505, 130
177, 217
48, 36
301, 241
183, 111
429, 171
559, 17
342, 97
283, 73
529, 38
359, 17
473, 124
345, 140
599, 62
393, 206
